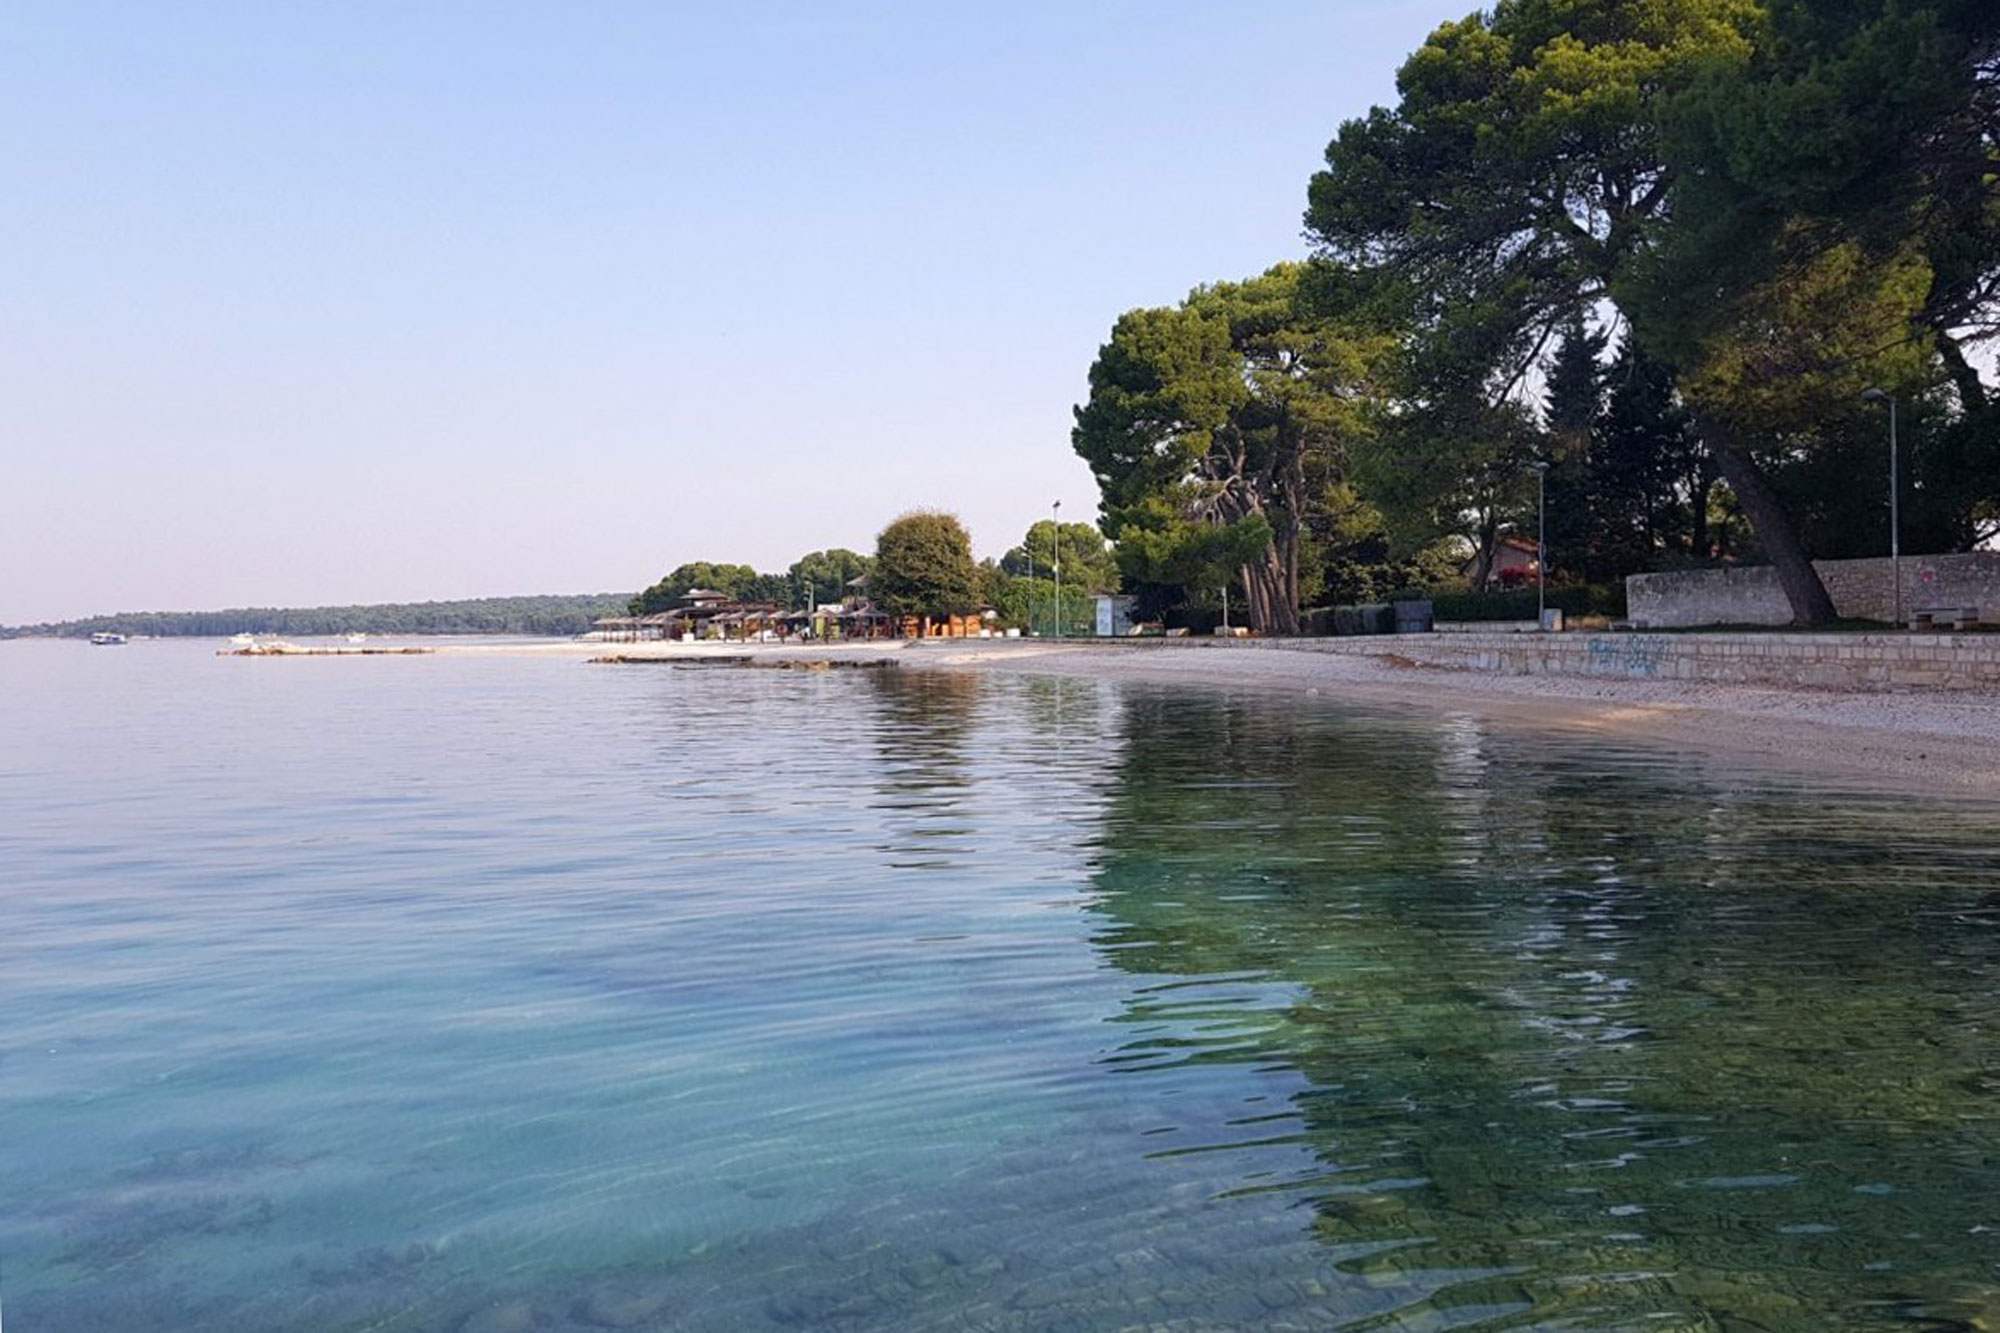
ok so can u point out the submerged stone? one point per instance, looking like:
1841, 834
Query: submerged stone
507, 1317
621, 1307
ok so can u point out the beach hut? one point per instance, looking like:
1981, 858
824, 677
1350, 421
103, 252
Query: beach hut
617, 629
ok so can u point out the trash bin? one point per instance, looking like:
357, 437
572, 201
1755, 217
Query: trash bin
1414, 617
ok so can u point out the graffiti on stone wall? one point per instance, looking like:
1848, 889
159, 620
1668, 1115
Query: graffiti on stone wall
1626, 655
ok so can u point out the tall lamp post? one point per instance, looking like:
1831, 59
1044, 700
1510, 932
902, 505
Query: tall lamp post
1541, 544
1895, 510
1055, 533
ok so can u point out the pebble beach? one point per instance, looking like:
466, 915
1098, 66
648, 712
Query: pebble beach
1913, 738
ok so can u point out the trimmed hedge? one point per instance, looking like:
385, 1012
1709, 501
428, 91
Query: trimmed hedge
1577, 599
1373, 618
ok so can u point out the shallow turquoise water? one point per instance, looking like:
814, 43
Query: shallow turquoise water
441, 993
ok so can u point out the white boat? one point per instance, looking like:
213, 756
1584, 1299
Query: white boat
243, 640
357, 638
105, 636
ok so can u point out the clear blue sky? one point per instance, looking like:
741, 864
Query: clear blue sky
355, 301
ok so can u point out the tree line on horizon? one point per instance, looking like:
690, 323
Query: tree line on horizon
539, 615
923, 565
1645, 255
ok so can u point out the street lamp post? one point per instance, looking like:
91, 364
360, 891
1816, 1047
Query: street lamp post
1056, 535
1541, 545
1895, 513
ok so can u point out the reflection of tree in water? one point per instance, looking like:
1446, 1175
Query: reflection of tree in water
921, 726
923, 721
1607, 1041
957, 773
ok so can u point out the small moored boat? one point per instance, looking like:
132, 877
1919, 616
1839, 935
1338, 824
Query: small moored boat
105, 636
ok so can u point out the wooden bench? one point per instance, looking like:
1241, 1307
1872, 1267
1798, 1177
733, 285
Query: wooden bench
1930, 617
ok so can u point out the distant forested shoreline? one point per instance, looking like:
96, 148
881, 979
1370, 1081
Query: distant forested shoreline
554, 615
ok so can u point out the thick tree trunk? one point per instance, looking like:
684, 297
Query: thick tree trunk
1972, 395
1803, 589
1268, 611
1258, 587
1284, 611
1277, 493
1271, 612
1284, 563
1704, 486
1267, 580
1483, 550
1290, 536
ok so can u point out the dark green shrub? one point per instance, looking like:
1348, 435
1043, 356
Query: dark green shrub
1577, 599
1374, 618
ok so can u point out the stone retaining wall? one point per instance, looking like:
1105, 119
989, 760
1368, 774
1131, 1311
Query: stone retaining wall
1835, 661
1860, 589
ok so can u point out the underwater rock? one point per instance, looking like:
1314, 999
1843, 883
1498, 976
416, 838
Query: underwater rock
616, 1306
788, 1308
510, 1317
924, 1271
122, 1234
202, 1161
1038, 1296
813, 1309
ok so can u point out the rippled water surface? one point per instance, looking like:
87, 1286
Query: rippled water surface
509, 994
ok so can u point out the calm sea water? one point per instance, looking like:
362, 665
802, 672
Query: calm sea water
508, 994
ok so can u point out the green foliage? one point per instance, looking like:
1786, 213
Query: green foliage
778, 588
1629, 483
1575, 392
1364, 618
924, 567
1087, 560
1369, 573
1030, 605
1213, 427
1522, 179
1773, 358
1645, 499
825, 574
1520, 167
1460, 469
549, 615
1871, 122
1835, 226
822, 574
735, 581
1576, 599
1196, 557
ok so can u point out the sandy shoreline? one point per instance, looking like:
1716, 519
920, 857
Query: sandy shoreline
1929, 740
